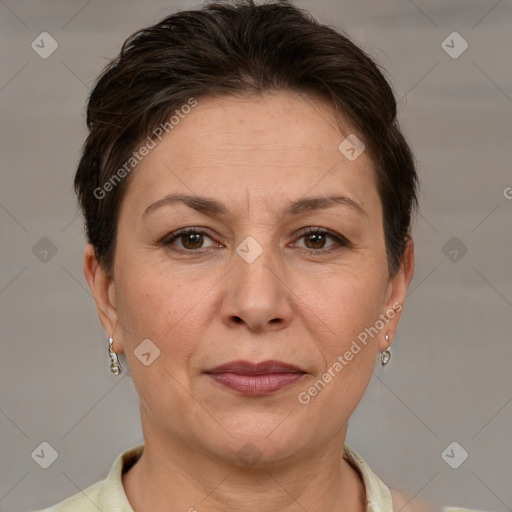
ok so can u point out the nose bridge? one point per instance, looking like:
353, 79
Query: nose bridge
257, 294
255, 276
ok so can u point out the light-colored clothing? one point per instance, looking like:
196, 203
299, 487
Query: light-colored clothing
108, 495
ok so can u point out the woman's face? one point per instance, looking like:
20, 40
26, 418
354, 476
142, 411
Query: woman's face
251, 284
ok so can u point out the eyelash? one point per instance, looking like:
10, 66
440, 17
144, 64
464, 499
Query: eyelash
340, 241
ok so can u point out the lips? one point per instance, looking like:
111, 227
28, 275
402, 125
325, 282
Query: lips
256, 379
265, 367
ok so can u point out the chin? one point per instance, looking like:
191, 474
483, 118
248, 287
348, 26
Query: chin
261, 440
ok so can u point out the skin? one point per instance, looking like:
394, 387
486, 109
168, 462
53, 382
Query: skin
297, 303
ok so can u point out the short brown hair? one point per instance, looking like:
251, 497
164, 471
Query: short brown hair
229, 48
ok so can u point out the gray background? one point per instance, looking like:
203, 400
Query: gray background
449, 378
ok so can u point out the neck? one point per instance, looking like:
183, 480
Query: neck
174, 475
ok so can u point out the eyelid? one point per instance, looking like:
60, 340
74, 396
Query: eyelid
340, 240
174, 235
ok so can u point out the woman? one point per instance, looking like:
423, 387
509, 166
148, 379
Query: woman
248, 196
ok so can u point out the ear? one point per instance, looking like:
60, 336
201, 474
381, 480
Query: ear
103, 290
395, 296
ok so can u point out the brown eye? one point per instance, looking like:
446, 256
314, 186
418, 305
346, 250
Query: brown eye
189, 239
315, 240
192, 240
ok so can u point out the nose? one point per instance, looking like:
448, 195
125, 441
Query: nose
256, 295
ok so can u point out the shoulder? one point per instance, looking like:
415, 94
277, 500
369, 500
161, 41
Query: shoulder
404, 504
83, 501
105, 495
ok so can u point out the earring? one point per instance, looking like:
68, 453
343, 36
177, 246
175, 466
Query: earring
115, 365
385, 355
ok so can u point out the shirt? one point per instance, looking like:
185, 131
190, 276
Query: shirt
108, 495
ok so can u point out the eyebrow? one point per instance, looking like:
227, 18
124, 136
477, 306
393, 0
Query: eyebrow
213, 207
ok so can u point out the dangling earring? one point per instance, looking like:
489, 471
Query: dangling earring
115, 365
385, 355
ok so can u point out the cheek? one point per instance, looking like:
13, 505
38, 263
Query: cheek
347, 308
348, 301
146, 300
153, 307
143, 302
160, 305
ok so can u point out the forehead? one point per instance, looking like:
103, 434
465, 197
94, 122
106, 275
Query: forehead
268, 147
275, 120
